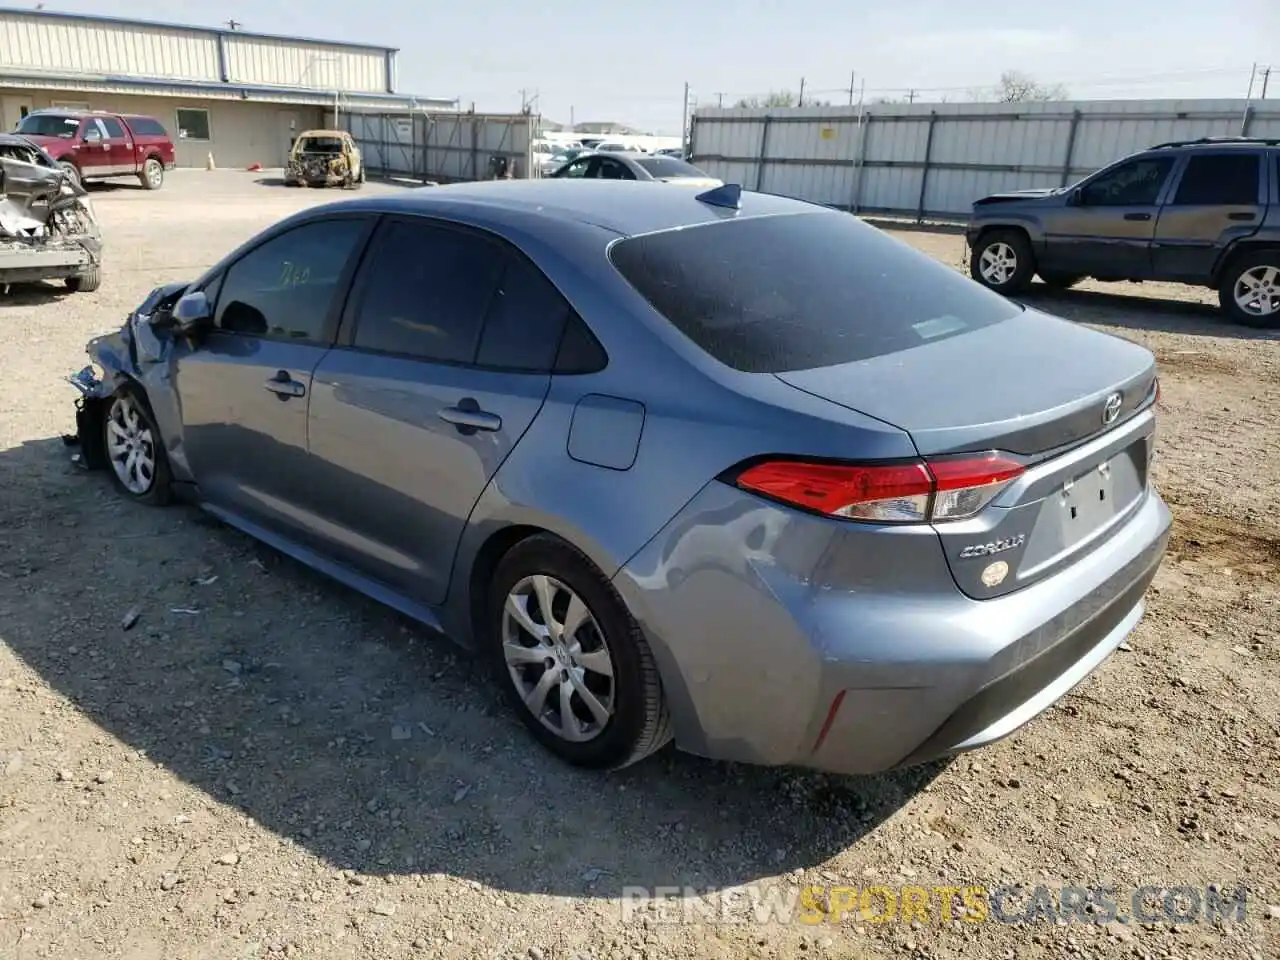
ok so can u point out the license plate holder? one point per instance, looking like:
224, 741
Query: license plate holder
1086, 503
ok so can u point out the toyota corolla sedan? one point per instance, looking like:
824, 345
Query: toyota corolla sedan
715, 467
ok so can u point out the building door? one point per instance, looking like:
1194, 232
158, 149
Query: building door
12, 110
290, 127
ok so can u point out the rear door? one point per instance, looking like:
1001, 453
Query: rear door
1107, 231
443, 362
120, 152
244, 391
1217, 198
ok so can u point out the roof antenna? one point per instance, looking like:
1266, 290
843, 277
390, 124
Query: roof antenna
728, 195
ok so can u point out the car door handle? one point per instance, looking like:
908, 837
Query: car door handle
1137, 216
468, 417
1242, 216
284, 386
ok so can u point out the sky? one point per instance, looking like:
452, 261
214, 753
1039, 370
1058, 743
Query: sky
629, 62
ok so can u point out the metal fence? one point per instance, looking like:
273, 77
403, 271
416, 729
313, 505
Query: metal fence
443, 147
931, 161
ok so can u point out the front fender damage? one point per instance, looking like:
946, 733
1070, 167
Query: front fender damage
140, 355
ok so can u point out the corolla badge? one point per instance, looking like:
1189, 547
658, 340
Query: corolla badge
995, 546
1111, 409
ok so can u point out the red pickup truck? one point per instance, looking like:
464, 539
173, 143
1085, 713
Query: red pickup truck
99, 145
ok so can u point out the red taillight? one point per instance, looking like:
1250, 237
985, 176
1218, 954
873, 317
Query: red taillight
949, 489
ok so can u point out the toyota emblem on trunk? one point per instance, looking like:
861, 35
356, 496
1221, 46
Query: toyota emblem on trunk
1111, 409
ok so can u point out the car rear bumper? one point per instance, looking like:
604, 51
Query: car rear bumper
790, 639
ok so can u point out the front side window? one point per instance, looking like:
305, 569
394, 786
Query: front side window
425, 291
578, 169
285, 288
1136, 183
1220, 179
779, 293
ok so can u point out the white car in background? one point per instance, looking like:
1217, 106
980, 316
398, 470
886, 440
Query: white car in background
635, 166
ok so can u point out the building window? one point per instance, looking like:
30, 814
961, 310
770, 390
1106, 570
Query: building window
193, 124
71, 105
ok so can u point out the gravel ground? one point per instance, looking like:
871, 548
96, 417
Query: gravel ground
268, 764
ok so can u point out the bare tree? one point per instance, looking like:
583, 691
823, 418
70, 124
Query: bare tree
1018, 87
775, 98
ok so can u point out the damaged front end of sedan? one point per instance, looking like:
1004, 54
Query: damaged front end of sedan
137, 356
48, 230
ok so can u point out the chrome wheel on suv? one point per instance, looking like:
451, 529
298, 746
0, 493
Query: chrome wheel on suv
1003, 261
1250, 290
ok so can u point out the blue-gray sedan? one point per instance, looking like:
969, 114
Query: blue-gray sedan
733, 470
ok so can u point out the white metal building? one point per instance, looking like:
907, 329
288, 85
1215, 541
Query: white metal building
240, 96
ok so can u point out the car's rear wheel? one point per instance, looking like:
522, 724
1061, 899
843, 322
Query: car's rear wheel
1250, 290
1002, 260
152, 175
572, 660
134, 450
1060, 281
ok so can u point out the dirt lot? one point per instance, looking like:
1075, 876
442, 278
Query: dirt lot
268, 764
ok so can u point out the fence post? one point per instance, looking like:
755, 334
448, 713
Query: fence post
862, 163
924, 174
1071, 147
764, 151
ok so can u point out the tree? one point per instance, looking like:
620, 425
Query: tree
775, 98
1018, 87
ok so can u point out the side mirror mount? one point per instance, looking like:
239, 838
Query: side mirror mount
193, 313
92, 135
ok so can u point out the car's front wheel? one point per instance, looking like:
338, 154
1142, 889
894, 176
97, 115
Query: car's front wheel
135, 452
1002, 260
1250, 290
571, 658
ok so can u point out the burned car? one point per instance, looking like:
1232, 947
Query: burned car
48, 230
324, 158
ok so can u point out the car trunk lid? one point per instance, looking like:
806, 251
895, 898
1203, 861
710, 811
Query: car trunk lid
1041, 389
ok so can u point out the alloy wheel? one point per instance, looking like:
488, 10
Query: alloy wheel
558, 659
1257, 291
998, 263
131, 445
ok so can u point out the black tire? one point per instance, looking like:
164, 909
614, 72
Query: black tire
640, 723
151, 176
72, 171
1060, 281
1232, 274
1024, 262
86, 282
160, 491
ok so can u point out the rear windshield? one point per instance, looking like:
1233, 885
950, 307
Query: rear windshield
49, 125
794, 292
321, 145
668, 167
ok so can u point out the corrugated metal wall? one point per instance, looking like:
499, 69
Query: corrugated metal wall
291, 64
934, 160
81, 45
86, 46
444, 147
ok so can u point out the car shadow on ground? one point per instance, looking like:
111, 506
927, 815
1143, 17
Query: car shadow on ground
33, 294
1137, 312
364, 739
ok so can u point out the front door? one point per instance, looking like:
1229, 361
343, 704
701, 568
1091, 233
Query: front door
1219, 198
443, 361
120, 149
290, 126
12, 110
245, 390
1106, 231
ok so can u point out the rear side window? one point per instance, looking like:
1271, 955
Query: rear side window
425, 291
772, 294
1222, 179
669, 167
114, 130
525, 321
147, 127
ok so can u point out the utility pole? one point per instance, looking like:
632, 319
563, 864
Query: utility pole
720, 100
684, 120
853, 76
1248, 101
911, 96
1266, 78
800, 99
